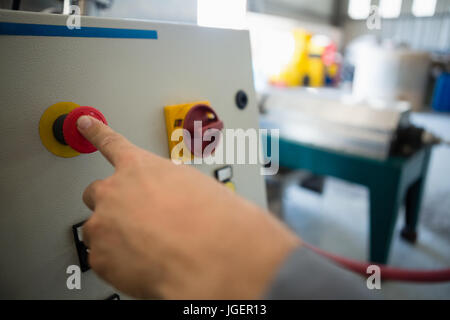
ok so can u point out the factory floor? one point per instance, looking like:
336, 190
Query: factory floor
337, 219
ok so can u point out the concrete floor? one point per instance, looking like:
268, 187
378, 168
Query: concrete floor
337, 220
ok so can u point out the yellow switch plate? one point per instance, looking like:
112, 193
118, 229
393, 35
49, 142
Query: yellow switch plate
175, 115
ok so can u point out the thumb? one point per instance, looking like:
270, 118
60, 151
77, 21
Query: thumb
110, 143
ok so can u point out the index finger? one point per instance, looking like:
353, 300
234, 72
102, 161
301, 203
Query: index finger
110, 143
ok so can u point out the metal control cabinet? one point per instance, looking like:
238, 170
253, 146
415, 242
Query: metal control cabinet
130, 80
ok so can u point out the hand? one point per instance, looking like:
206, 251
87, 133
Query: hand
160, 230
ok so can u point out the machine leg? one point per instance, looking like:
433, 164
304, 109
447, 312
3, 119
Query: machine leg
413, 202
412, 208
384, 206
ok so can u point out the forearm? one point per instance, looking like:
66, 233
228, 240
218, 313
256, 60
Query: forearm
307, 275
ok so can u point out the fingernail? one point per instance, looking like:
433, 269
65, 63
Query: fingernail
84, 122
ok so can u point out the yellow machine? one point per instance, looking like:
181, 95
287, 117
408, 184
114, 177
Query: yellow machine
307, 66
295, 71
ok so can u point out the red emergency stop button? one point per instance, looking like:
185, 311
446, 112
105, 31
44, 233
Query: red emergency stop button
70, 131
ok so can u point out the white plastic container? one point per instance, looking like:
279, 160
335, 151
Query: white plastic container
391, 75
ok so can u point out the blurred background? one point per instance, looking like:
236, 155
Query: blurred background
361, 92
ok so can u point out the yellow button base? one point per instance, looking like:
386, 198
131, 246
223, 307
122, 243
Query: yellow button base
46, 129
230, 185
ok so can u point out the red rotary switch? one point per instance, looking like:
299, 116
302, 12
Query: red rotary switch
199, 121
70, 131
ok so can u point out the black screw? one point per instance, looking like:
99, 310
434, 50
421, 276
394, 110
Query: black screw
241, 99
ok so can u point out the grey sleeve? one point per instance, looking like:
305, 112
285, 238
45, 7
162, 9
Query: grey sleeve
307, 275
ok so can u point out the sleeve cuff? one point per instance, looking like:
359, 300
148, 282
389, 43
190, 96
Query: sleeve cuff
307, 275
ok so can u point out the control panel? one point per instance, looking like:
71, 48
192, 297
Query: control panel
145, 80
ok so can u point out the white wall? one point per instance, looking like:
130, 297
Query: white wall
166, 10
429, 33
318, 11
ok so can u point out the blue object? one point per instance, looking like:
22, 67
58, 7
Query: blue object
46, 30
441, 94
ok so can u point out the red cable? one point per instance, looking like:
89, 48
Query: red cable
387, 273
